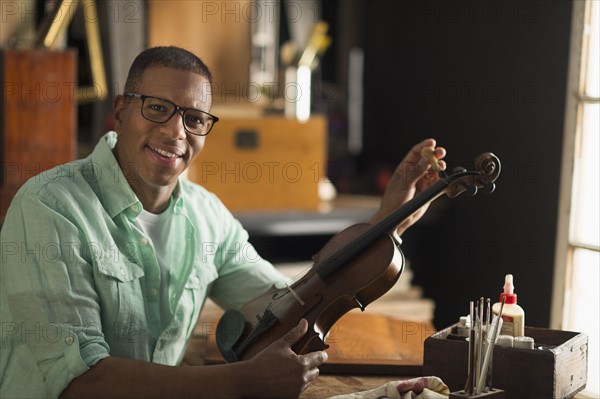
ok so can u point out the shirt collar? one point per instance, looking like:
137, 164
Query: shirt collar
178, 199
115, 192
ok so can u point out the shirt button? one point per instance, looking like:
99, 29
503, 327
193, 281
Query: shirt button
122, 271
144, 241
135, 208
69, 340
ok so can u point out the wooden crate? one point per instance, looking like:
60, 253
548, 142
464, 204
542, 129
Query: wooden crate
557, 368
264, 163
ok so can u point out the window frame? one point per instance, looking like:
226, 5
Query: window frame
563, 292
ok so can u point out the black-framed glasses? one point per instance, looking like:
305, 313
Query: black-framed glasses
160, 110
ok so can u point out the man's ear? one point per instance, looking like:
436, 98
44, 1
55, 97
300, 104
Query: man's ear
118, 107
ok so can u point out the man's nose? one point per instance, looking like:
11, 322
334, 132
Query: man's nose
174, 127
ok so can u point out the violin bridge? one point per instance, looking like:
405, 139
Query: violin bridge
295, 295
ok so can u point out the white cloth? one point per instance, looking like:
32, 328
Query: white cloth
418, 388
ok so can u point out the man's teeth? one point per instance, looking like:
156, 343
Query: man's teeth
164, 153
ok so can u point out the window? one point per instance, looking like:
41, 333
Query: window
577, 271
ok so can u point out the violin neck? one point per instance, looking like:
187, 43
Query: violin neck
385, 226
391, 222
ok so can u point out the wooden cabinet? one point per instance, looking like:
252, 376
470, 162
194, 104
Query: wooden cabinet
38, 115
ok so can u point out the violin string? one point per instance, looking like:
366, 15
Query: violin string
300, 275
385, 226
390, 223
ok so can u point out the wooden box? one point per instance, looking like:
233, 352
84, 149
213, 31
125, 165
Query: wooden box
263, 163
556, 368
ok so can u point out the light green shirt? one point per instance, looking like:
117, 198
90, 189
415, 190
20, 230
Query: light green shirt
79, 282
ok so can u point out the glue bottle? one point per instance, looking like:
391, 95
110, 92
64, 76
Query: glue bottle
513, 315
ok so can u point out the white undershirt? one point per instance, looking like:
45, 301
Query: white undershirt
157, 227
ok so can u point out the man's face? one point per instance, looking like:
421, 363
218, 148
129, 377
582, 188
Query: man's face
153, 155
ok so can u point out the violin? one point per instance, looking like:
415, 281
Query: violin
355, 267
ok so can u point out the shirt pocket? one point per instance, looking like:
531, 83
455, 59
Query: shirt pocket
122, 304
194, 294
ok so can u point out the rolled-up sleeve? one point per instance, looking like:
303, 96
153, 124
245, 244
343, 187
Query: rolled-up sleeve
49, 311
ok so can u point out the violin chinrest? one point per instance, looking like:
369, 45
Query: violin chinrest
229, 331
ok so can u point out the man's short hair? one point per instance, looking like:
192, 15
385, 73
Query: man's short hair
164, 56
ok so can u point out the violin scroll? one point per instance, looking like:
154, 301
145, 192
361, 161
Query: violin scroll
489, 165
486, 171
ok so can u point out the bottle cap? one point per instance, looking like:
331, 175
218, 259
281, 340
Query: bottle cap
511, 297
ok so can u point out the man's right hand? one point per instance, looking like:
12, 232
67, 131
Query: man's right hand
277, 371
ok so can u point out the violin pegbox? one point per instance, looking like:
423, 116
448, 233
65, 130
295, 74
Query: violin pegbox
485, 172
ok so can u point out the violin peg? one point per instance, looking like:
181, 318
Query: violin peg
471, 190
429, 154
489, 188
458, 169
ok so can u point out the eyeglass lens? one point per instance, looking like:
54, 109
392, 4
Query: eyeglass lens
160, 111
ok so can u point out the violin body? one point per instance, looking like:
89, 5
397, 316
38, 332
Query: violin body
321, 301
356, 267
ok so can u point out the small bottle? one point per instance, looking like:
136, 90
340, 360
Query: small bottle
513, 315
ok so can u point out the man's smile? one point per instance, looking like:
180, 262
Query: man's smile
165, 153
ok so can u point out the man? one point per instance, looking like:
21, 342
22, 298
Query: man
105, 265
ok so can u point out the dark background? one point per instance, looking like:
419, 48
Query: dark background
477, 76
